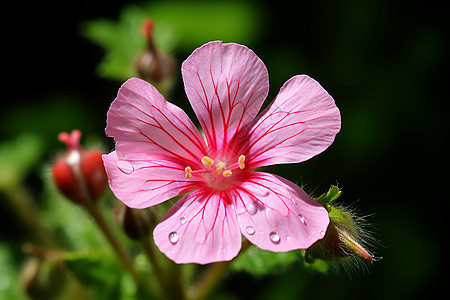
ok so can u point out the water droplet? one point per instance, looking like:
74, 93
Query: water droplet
293, 201
183, 220
250, 230
241, 210
252, 209
173, 237
302, 218
125, 166
274, 237
322, 233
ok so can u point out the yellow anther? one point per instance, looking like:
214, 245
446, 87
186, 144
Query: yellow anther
220, 167
227, 173
207, 162
188, 171
241, 162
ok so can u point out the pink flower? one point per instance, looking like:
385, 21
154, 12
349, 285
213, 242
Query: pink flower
161, 154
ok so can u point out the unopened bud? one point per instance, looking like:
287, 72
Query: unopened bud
153, 64
79, 174
136, 223
343, 237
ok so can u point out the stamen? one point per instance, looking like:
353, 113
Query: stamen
227, 173
188, 171
241, 162
220, 167
207, 162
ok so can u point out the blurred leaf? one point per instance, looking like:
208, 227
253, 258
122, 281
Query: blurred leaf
18, 157
48, 115
9, 277
179, 26
98, 272
261, 262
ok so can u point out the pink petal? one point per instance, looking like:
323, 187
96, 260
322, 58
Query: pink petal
226, 85
140, 184
301, 122
276, 215
142, 122
200, 228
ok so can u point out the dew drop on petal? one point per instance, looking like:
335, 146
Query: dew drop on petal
322, 233
183, 220
250, 230
274, 237
240, 211
302, 219
252, 209
173, 237
125, 166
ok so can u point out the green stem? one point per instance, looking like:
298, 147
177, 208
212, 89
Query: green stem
96, 213
212, 276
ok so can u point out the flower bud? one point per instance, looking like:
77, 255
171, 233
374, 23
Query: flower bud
79, 174
343, 237
136, 223
153, 64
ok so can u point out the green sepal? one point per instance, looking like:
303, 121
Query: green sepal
325, 199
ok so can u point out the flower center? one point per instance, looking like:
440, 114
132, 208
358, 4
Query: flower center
215, 174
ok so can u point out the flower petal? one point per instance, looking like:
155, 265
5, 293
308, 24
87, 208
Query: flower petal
226, 85
142, 121
200, 228
301, 122
140, 184
277, 215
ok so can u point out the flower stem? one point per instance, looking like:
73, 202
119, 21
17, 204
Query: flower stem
97, 215
212, 276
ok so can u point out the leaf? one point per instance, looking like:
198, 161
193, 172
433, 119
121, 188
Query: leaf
18, 157
100, 273
261, 262
333, 193
179, 26
9, 277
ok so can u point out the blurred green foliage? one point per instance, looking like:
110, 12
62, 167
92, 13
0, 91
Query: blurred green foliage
179, 25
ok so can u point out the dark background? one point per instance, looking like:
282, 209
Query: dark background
384, 62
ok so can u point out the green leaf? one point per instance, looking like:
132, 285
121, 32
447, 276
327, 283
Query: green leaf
9, 277
179, 27
18, 157
100, 273
333, 193
261, 262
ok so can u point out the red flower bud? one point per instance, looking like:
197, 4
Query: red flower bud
153, 64
79, 173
